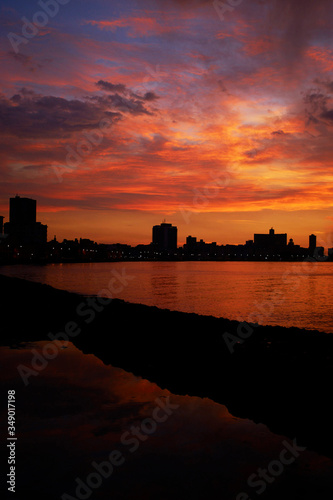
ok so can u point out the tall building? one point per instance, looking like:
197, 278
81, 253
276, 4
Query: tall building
165, 237
22, 227
312, 242
271, 240
22, 210
1, 224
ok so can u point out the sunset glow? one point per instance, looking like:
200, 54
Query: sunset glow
116, 115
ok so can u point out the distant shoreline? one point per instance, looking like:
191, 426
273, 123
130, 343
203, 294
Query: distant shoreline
42, 262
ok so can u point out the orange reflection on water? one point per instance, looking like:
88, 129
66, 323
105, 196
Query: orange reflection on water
77, 411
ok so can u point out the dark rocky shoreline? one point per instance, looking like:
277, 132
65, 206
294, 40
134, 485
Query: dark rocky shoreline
280, 377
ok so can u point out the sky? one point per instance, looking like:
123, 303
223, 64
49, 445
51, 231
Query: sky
214, 116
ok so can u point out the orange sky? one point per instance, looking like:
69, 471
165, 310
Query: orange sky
116, 117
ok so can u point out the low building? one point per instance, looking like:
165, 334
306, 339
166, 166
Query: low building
270, 241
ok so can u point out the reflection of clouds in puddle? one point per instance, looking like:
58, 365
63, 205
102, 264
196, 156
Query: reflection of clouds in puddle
76, 411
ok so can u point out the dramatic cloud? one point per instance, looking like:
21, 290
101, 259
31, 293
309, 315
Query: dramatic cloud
300, 22
27, 114
192, 95
110, 87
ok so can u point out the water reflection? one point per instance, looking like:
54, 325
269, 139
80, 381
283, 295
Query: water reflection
76, 410
224, 289
166, 288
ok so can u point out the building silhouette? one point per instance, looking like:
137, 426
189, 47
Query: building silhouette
22, 227
22, 210
23, 239
312, 243
191, 243
270, 241
165, 237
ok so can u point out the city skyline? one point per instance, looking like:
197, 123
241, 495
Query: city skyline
184, 230
23, 229
115, 116
166, 248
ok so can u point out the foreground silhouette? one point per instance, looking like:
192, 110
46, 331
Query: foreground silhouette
280, 377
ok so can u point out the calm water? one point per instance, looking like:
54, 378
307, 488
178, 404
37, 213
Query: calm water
288, 294
78, 410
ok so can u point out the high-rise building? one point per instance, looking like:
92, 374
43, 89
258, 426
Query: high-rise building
1, 224
312, 241
165, 237
22, 227
22, 210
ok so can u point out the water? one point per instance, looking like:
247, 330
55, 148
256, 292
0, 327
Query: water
272, 293
77, 410
70, 418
